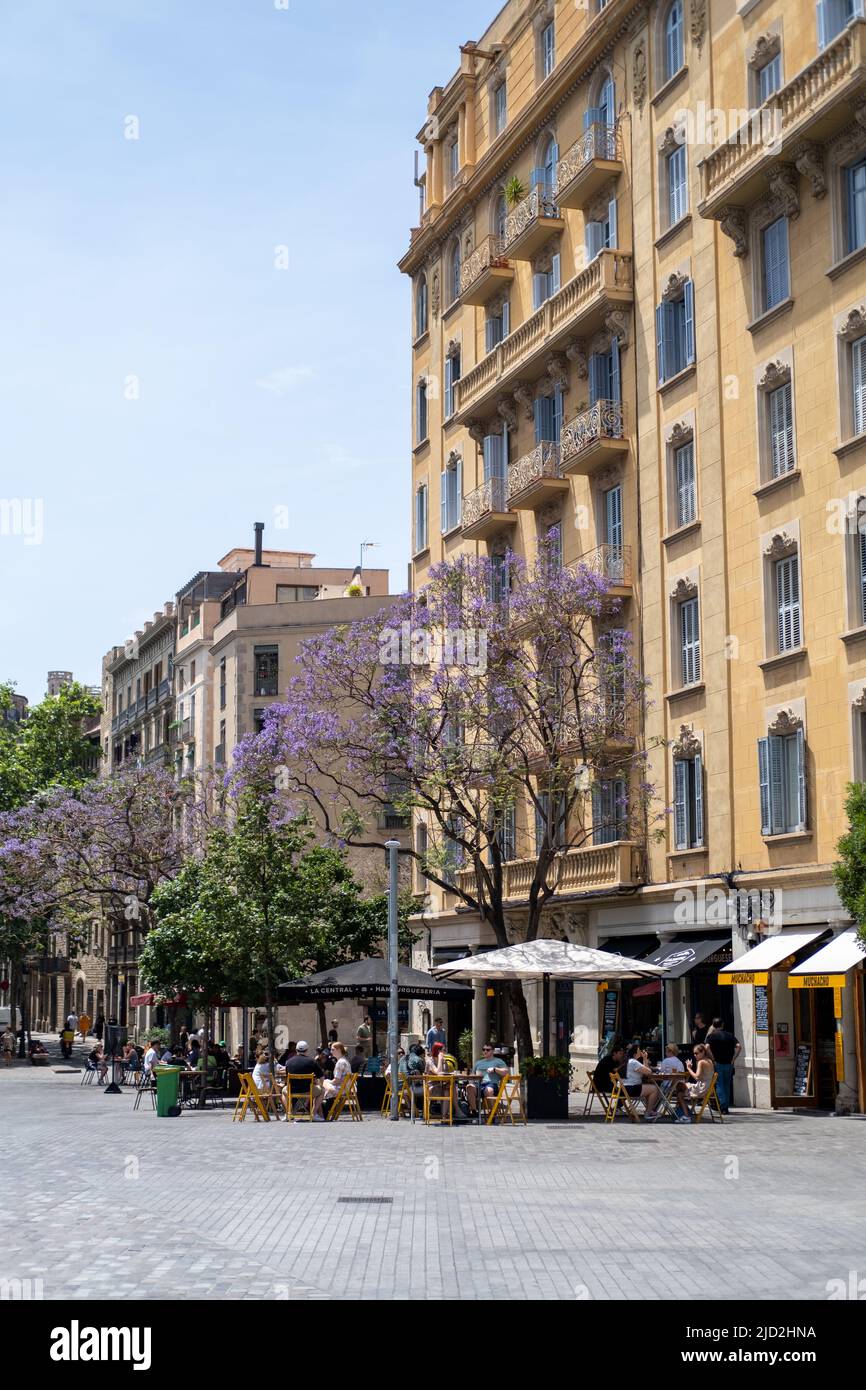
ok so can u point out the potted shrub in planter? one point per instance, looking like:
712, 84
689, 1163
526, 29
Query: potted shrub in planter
546, 1087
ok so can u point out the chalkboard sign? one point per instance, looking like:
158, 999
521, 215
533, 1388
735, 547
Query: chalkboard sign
762, 1015
803, 1070
610, 1008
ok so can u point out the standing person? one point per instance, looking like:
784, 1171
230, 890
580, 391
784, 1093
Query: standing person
151, 1058
724, 1050
699, 1028
7, 1045
364, 1034
436, 1034
99, 1027
334, 1032
84, 1022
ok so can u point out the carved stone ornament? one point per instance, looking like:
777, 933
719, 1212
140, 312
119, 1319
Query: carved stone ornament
784, 188
597, 210
854, 326
454, 457
781, 545
435, 294
616, 322
606, 478
477, 429
599, 343
679, 433
765, 50
732, 221
673, 137
453, 348
851, 141
468, 244
525, 397
699, 23
686, 745
638, 73
785, 722
575, 351
684, 589
556, 365
506, 409
774, 374
674, 287
860, 702
809, 159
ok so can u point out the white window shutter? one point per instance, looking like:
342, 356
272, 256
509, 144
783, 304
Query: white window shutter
443, 499
661, 363
689, 320
612, 233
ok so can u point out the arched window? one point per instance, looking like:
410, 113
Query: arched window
674, 40
454, 272
607, 101
421, 307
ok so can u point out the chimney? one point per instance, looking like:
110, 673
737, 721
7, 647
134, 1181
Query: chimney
258, 527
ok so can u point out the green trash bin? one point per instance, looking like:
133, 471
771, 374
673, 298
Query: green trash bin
166, 1088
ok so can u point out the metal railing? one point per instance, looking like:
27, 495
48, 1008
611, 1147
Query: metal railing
603, 420
613, 562
598, 141
489, 497
542, 462
485, 255
535, 207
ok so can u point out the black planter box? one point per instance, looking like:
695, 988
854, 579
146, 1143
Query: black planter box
371, 1093
545, 1099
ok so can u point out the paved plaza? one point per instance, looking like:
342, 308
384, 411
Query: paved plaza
101, 1201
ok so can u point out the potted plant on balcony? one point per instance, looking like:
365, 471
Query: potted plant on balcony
514, 191
547, 1081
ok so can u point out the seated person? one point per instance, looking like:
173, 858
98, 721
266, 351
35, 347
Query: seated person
613, 1061
263, 1072
671, 1062
342, 1069
302, 1064
638, 1080
96, 1056
359, 1059
401, 1063
701, 1076
490, 1070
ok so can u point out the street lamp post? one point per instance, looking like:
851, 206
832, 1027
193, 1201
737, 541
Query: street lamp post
393, 846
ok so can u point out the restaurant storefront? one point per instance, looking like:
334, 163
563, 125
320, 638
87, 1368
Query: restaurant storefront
661, 1011
829, 1017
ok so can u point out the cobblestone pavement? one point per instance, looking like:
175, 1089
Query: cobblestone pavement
101, 1201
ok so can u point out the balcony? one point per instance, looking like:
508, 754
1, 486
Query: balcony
578, 310
595, 436
593, 159
813, 106
613, 563
529, 225
485, 272
588, 869
486, 511
537, 477
186, 731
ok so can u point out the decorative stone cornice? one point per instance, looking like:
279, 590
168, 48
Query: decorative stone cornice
686, 746
808, 157
477, 429
851, 141
674, 287
525, 397
699, 23
784, 190
785, 722
681, 432
779, 546
732, 221
556, 366
506, 409
854, 326
774, 374
685, 588
767, 46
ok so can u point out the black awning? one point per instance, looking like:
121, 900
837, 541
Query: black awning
636, 947
679, 957
369, 979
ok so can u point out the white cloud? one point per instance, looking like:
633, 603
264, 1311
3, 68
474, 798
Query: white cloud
283, 379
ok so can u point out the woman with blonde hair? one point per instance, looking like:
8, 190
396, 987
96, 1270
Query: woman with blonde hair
342, 1069
701, 1077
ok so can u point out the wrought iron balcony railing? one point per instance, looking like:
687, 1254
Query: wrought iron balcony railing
603, 421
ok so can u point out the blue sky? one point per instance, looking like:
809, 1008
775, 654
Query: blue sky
146, 268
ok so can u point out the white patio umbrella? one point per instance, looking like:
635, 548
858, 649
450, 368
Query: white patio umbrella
533, 960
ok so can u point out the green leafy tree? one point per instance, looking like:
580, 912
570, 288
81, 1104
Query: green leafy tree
850, 872
48, 748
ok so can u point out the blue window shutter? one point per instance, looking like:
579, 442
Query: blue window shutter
661, 350
778, 821
823, 24
607, 102
539, 288
557, 414
858, 383
612, 232
615, 383
862, 543
613, 516
555, 270
536, 177
802, 809
689, 320
443, 499
681, 804
459, 490
699, 800
764, 783
544, 418
593, 115
594, 239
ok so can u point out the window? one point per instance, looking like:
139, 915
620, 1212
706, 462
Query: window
548, 49
688, 803
678, 191
421, 518
612, 499
506, 832
609, 811
500, 584
500, 218
858, 384
774, 263
497, 325
674, 40
259, 720
780, 426
675, 333
782, 777
601, 235
297, 593
494, 449
833, 15
690, 642
220, 750
452, 494
604, 375
192, 673
454, 273
543, 820
223, 683
266, 664
453, 156
684, 481
421, 411
855, 206
546, 282
421, 307
452, 851
769, 78
452, 376
861, 557
787, 585
606, 104
553, 547
548, 417
500, 108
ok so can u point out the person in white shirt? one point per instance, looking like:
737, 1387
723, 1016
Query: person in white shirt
671, 1061
342, 1068
263, 1075
151, 1058
638, 1081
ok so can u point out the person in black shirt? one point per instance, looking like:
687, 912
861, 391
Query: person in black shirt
724, 1049
302, 1064
612, 1062
699, 1029
358, 1060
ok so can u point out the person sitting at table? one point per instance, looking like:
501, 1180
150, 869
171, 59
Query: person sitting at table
612, 1062
401, 1063
212, 1063
701, 1076
435, 1065
639, 1083
263, 1072
490, 1070
96, 1056
290, 1050
672, 1061
151, 1057
302, 1064
342, 1069
358, 1062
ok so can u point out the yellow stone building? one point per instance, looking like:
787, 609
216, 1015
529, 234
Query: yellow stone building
639, 319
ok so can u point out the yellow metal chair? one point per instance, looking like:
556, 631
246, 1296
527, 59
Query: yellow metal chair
501, 1106
439, 1092
249, 1095
299, 1092
708, 1100
348, 1098
404, 1099
620, 1101
593, 1094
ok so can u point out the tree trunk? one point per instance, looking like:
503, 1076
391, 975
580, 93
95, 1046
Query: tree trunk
204, 1053
323, 1025
520, 1017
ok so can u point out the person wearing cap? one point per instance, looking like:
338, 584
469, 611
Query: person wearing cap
302, 1064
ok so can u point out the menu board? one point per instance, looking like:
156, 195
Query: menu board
802, 1070
609, 1024
762, 1014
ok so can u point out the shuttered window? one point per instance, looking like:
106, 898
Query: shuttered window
690, 642
500, 109
548, 49
774, 246
686, 491
421, 514
688, 803
678, 194
782, 780
494, 454
855, 185
675, 334
788, 603
861, 553
858, 384
780, 409
674, 46
451, 495
833, 15
452, 376
769, 78
613, 518
421, 412
609, 811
